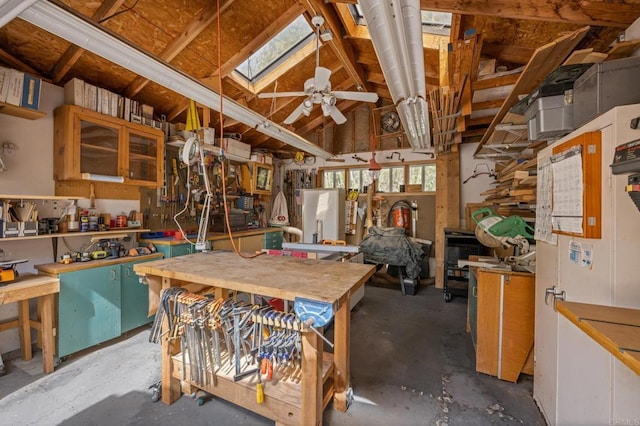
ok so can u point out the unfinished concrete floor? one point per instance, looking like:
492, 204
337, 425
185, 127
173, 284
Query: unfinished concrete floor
412, 363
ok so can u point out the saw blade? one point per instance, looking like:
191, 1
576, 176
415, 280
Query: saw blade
486, 239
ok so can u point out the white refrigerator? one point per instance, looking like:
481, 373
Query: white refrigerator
577, 381
323, 215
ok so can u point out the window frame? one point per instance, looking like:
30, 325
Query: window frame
348, 168
428, 27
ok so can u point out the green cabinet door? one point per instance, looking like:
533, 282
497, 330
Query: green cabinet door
273, 240
135, 299
88, 308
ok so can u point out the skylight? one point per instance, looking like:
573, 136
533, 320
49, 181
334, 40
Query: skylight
432, 22
276, 50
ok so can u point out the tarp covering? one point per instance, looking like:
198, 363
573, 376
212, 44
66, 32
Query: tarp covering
391, 246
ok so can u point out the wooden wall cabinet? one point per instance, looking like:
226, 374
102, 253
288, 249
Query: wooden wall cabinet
89, 142
505, 323
257, 178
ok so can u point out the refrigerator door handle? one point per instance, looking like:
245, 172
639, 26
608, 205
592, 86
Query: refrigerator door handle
557, 295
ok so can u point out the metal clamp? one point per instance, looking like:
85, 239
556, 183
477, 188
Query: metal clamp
557, 295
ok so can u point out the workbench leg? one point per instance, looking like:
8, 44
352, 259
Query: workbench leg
25, 329
311, 379
46, 327
171, 391
341, 374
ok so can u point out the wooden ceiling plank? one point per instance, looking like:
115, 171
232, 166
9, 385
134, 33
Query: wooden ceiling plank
599, 12
73, 53
495, 103
544, 60
179, 43
274, 28
340, 46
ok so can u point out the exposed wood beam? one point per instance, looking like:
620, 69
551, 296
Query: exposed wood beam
376, 78
340, 46
599, 12
506, 53
474, 132
178, 44
73, 53
488, 83
16, 63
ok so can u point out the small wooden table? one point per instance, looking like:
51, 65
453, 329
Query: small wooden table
30, 286
281, 277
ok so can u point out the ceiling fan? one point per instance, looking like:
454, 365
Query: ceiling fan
318, 90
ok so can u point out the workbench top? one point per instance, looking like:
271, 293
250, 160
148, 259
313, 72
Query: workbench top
272, 276
615, 328
211, 236
59, 268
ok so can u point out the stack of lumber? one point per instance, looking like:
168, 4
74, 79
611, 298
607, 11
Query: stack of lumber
444, 104
514, 192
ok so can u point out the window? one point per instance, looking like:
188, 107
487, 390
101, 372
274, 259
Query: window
424, 175
333, 179
432, 22
390, 180
276, 50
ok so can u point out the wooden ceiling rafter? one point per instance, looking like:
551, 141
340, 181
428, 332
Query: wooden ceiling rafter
73, 53
200, 22
608, 13
14, 62
508, 53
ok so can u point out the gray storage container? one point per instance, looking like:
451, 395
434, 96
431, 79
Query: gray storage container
604, 86
550, 117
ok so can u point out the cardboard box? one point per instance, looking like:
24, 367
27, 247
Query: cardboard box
74, 92
31, 92
237, 148
206, 135
16, 82
413, 188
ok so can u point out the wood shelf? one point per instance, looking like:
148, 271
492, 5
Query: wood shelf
614, 328
16, 111
76, 234
39, 197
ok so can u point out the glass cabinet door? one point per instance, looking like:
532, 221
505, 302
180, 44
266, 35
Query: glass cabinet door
264, 176
99, 148
142, 157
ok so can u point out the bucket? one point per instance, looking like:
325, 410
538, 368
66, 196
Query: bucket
401, 218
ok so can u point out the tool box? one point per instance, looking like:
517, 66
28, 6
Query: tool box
550, 117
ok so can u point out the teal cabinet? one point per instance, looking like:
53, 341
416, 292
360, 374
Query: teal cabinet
173, 250
135, 299
273, 240
88, 308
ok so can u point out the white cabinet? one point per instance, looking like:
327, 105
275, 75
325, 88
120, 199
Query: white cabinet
576, 380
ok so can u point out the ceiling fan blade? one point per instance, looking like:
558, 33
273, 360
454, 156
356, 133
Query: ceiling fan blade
334, 112
295, 114
357, 96
280, 94
321, 79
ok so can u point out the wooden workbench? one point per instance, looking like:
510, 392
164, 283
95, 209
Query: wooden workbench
42, 288
616, 329
280, 277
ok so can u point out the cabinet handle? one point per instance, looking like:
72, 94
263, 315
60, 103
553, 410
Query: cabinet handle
128, 269
474, 292
113, 275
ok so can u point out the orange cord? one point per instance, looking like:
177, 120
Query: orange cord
224, 180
